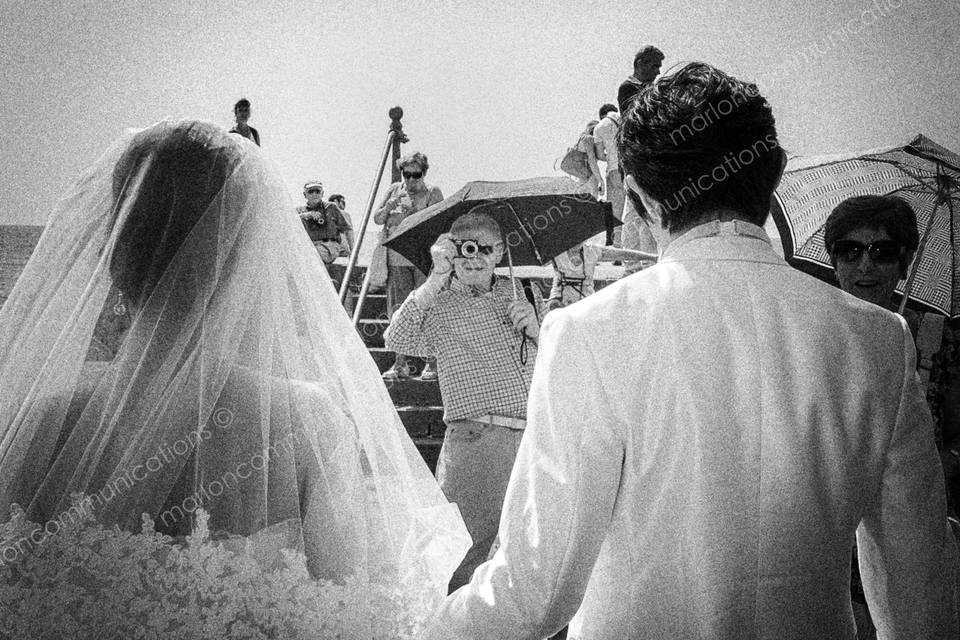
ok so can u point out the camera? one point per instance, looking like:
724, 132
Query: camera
318, 216
466, 248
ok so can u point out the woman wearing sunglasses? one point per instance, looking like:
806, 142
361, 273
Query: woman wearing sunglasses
871, 241
403, 199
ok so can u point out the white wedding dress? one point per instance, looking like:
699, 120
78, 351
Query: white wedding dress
229, 379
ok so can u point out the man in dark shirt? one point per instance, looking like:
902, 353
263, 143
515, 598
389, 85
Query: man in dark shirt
241, 111
635, 234
646, 66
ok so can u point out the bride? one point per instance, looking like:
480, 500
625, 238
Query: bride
173, 348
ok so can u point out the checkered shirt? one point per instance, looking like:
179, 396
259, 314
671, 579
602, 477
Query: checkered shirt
477, 348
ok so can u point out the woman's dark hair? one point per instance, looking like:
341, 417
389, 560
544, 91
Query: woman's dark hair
414, 158
890, 214
241, 103
175, 173
700, 140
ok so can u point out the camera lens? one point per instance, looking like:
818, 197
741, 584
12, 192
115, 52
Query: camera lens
469, 249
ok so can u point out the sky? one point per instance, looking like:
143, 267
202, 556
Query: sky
490, 90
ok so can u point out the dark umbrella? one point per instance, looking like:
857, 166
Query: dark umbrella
922, 172
540, 219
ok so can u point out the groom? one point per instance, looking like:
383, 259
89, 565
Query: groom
706, 479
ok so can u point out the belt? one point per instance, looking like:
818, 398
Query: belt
501, 421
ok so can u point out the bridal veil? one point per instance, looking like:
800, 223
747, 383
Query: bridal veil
174, 343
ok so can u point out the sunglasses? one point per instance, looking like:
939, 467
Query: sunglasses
414, 175
881, 251
314, 191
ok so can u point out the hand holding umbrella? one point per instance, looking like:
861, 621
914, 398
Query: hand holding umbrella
524, 318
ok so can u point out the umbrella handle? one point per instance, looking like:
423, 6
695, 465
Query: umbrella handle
513, 286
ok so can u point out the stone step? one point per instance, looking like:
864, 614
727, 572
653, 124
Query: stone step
413, 392
382, 356
423, 421
374, 305
371, 331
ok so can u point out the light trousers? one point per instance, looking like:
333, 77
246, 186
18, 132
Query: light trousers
473, 471
615, 196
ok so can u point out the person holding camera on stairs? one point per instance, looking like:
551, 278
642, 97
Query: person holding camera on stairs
483, 331
330, 231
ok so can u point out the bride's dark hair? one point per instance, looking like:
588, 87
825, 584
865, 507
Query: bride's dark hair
163, 184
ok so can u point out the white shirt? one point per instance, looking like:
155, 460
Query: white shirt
605, 134
703, 440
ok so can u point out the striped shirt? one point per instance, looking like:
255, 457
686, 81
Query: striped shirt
477, 348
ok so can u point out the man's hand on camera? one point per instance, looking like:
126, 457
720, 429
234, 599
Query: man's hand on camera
524, 318
442, 253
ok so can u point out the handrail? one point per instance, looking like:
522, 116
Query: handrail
361, 298
355, 251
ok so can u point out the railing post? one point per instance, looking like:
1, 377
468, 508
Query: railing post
395, 137
399, 138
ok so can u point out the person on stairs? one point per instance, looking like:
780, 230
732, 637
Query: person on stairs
403, 199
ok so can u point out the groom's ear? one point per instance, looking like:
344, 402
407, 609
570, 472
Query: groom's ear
650, 205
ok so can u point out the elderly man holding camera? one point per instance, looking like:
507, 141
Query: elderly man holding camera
330, 232
483, 332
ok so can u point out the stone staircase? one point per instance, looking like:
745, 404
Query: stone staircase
418, 402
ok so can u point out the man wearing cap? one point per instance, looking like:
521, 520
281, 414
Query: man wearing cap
330, 232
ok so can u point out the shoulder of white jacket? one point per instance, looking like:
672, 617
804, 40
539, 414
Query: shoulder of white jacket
618, 300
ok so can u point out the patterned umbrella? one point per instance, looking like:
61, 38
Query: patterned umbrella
922, 172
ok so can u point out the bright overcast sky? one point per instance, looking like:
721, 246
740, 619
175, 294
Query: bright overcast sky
490, 90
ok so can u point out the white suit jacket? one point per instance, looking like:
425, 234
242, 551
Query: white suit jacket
704, 439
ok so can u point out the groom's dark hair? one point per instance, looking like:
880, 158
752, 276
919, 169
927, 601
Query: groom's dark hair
699, 140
